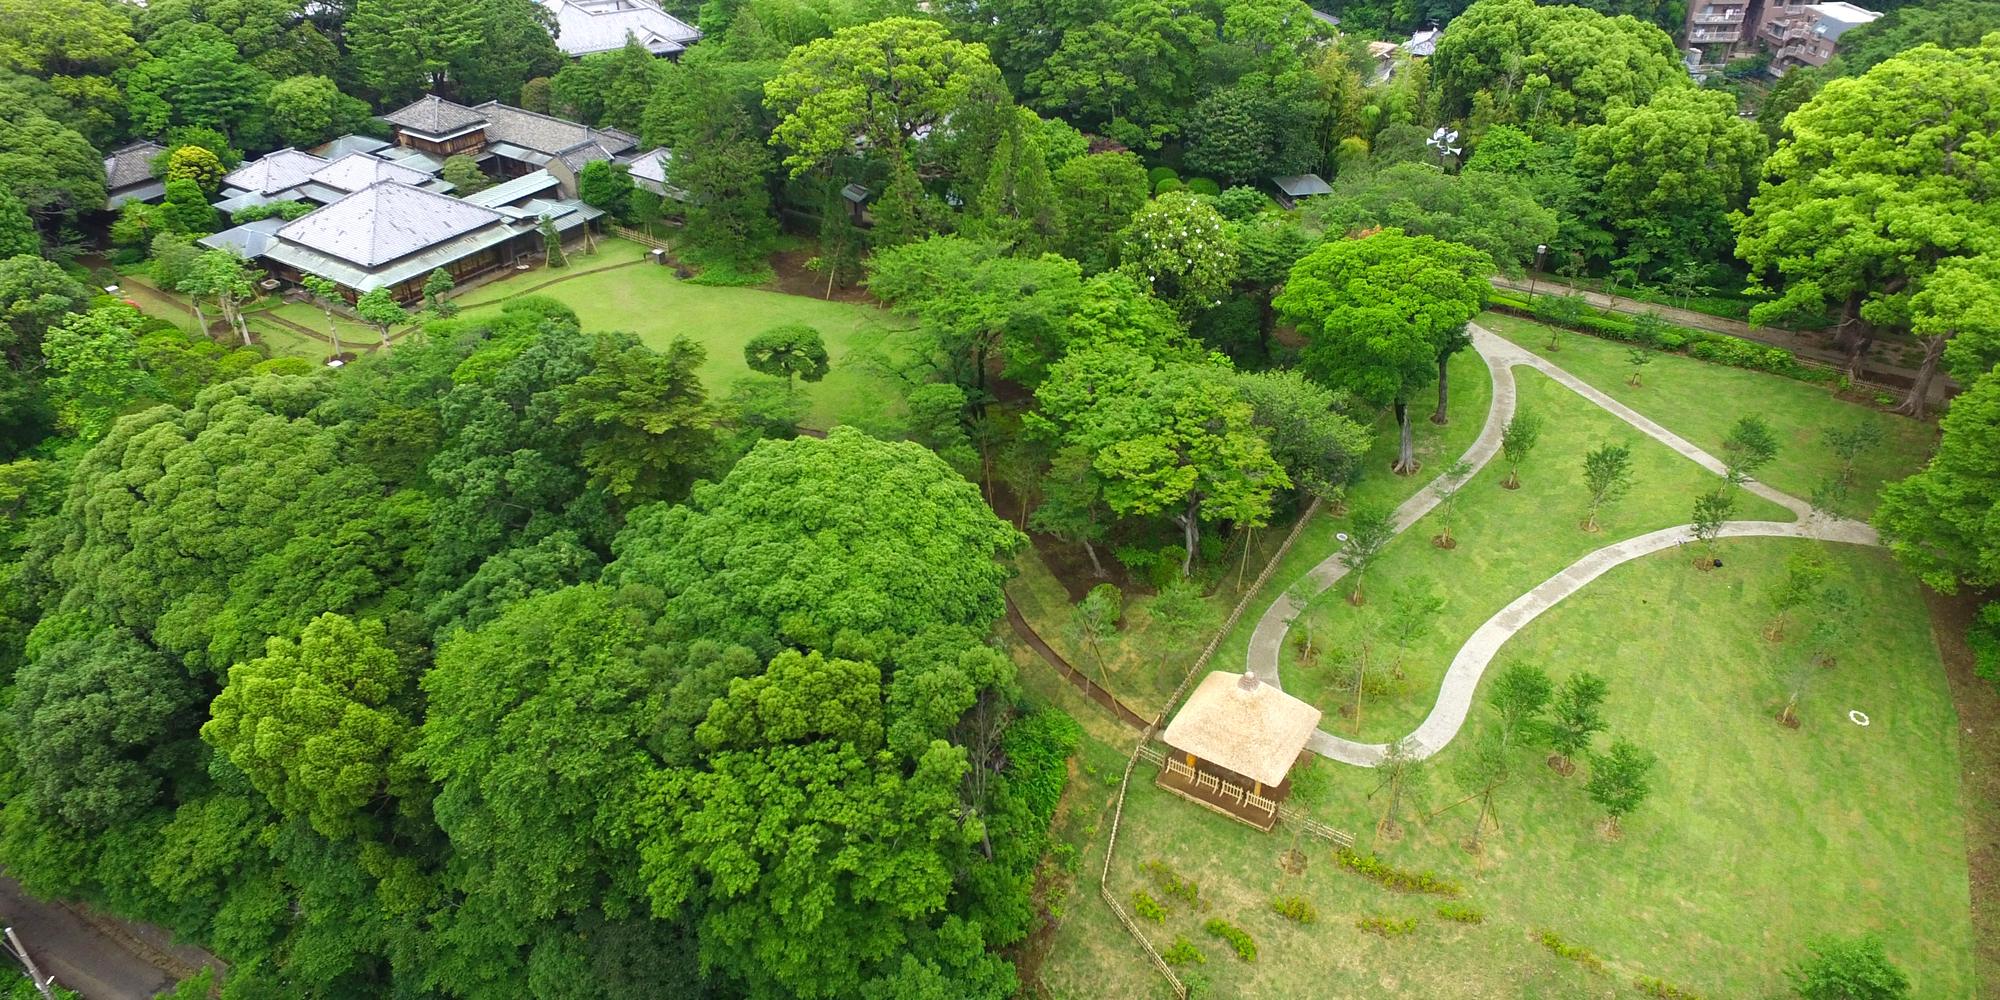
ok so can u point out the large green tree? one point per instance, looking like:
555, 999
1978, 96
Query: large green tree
707, 112
1945, 521
93, 369
308, 110
1129, 74
1669, 173
1174, 439
809, 537
1567, 63
1383, 314
1883, 180
1492, 211
196, 77
1098, 194
879, 87
320, 724
49, 166
1179, 249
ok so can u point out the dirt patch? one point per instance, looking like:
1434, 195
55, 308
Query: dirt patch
1067, 562
1293, 861
1561, 765
793, 277
1444, 542
1978, 707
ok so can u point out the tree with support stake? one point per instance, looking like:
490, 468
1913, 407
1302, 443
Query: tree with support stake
1638, 358
1607, 476
1619, 781
1711, 512
325, 293
1450, 483
1095, 618
1402, 772
1517, 441
1484, 767
1575, 719
1367, 534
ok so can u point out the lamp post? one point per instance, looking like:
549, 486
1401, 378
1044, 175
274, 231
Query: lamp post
1541, 250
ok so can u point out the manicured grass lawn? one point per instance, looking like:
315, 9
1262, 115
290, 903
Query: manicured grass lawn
1755, 839
1508, 541
1699, 401
651, 303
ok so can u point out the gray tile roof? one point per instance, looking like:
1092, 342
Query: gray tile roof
587, 153
129, 165
649, 171
587, 26
1302, 185
546, 133
346, 144
274, 172
358, 170
249, 240
384, 222
510, 191
137, 192
433, 115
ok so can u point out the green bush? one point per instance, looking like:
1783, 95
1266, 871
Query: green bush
1400, 879
1158, 174
1171, 883
1717, 348
1147, 907
284, 366
1241, 202
1246, 949
1296, 909
1184, 953
1202, 185
1459, 913
1574, 952
1388, 927
1653, 986
1984, 638
1166, 186
1038, 748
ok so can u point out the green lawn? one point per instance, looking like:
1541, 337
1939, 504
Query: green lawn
1756, 838
1699, 401
651, 303
1508, 541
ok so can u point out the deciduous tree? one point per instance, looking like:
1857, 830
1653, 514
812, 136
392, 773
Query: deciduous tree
1607, 476
93, 369
791, 351
1098, 194
1620, 779
1575, 718
1379, 313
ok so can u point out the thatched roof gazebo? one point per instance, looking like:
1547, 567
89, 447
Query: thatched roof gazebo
1235, 741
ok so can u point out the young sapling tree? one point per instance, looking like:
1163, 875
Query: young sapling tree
1607, 476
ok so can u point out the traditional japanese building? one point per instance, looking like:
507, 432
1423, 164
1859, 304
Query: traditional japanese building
128, 175
585, 27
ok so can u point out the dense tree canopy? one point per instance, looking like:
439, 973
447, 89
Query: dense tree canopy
1668, 174
1521, 61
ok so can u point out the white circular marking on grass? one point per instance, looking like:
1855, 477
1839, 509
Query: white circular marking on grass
1858, 717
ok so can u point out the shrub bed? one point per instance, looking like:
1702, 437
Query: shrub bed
1653, 986
1171, 883
1147, 907
1388, 927
1718, 348
1238, 938
1184, 953
1574, 952
1459, 913
1400, 879
1296, 909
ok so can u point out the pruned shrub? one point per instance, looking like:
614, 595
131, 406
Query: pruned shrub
1388, 927
1296, 909
1574, 952
1459, 913
1653, 986
1238, 938
1202, 185
1184, 953
1400, 879
1158, 174
1171, 883
1167, 186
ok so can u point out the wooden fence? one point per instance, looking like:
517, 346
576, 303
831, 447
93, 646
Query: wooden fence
642, 238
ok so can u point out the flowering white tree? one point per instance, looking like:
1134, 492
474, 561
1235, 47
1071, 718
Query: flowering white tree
1177, 245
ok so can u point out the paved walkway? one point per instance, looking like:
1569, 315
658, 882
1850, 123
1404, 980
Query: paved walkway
1461, 680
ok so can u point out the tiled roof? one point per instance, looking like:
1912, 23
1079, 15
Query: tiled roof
286, 168
386, 221
249, 240
547, 133
358, 170
130, 165
433, 115
587, 153
346, 144
650, 165
586, 26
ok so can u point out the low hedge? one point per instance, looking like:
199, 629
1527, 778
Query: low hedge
1400, 879
1706, 345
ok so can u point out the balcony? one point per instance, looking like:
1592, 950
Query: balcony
1709, 36
1727, 15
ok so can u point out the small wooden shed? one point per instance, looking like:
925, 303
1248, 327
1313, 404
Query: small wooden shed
1234, 743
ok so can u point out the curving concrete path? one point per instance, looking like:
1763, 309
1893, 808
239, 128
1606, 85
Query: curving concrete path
1461, 680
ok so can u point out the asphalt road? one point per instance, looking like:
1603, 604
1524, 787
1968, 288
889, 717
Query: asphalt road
80, 956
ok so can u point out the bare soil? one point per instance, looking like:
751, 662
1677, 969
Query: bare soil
1444, 542
793, 277
1293, 861
1561, 765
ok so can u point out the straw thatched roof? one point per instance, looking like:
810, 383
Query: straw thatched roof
1236, 722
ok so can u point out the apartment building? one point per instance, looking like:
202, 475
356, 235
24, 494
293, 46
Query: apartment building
1807, 34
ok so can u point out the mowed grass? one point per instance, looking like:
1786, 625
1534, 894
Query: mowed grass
1756, 838
652, 304
1700, 401
1508, 542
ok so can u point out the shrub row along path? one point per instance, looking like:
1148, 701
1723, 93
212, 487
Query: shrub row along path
1461, 679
